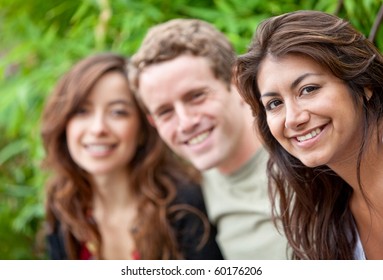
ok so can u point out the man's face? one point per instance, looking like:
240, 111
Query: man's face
195, 113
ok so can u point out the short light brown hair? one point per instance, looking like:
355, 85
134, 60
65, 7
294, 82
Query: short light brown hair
177, 37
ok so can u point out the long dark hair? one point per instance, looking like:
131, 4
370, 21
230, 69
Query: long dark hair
314, 202
154, 171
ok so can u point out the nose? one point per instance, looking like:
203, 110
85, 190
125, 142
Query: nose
187, 119
296, 115
98, 124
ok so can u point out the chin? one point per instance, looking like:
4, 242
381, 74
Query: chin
311, 163
100, 171
203, 166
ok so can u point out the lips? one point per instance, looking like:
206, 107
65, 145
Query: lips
309, 135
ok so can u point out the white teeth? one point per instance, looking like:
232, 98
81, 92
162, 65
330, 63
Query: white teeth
99, 148
309, 135
198, 139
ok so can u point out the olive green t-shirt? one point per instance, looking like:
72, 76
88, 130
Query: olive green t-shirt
239, 206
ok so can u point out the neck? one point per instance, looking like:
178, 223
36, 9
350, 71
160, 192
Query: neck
111, 191
371, 170
247, 146
366, 201
366, 206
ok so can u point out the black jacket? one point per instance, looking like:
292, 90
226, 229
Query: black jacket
189, 230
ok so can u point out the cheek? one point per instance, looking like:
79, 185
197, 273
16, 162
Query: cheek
129, 133
72, 132
276, 126
166, 132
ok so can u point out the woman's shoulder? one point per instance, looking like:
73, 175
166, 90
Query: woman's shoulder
190, 193
55, 242
196, 236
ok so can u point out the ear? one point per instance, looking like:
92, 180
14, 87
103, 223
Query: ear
234, 90
150, 119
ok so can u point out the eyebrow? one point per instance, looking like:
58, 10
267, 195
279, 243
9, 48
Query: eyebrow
293, 85
192, 91
121, 101
300, 79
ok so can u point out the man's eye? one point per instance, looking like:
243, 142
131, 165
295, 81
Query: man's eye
197, 95
164, 114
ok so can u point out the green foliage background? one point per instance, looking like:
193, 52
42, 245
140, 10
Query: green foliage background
40, 40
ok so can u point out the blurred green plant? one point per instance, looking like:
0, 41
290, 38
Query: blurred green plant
40, 40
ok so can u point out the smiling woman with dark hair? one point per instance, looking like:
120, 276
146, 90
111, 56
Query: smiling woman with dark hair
315, 85
116, 191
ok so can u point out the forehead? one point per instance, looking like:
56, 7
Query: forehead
111, 85
277, 69
183, 66
173, 78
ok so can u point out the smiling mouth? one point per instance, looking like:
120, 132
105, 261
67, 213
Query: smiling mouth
98, 148
199, 138
309, 135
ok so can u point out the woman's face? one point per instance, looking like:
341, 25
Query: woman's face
103, 133
309, 111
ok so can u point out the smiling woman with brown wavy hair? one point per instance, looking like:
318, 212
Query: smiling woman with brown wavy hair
116, 191
315, 85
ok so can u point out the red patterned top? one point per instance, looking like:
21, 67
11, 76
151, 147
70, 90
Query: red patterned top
85, 253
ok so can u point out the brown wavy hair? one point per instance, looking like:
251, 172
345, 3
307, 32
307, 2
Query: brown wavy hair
314, 202
154, 171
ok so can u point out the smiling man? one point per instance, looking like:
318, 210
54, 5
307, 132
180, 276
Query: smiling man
182, 75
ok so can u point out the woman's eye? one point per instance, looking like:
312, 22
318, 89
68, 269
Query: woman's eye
309, 89
80, 111
271, 105
119, 113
